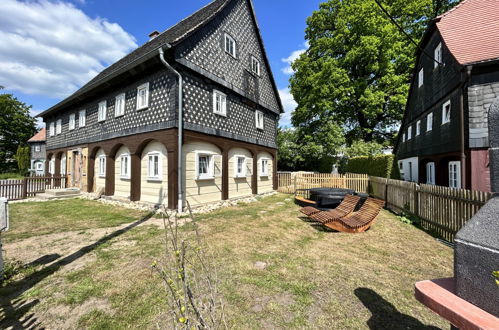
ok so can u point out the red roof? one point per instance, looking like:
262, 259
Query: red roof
471, 30
39, 137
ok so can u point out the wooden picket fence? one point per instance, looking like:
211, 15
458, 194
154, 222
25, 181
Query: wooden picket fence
442, 210
289, 182
16, 189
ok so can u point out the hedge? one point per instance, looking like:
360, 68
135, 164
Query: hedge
380, 165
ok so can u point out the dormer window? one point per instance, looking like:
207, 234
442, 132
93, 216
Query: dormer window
82, 118
119, 105
143, 96
255, 65
219, 103
259, 119
230, 45
420, 77
446, 112
72, 121
101, 116
437, 55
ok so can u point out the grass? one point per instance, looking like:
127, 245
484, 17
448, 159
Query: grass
313, 279
5, 176
40, 218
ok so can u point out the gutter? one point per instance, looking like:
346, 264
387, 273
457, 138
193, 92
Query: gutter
462, 141
180, 126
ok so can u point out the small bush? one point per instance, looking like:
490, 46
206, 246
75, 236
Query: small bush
5, 176
380, 165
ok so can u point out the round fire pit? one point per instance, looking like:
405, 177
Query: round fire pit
329, 197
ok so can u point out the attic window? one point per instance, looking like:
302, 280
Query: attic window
58, 127
119, 105
255, 65
420, 77
82, 118
72, 121
101, 115
259, 119
230, 45
52, 129
143, 96
219, 103
437, 55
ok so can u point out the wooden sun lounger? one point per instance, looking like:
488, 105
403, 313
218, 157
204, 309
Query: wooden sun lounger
346, 206
359, 221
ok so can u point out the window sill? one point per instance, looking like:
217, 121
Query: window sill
220, 114
264, 175
233, 56
447, 122
143, 108
117, 116
154, 180
124, 177
101, 121
206, 178
240, 176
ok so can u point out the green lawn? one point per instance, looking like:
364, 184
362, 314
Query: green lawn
314, 278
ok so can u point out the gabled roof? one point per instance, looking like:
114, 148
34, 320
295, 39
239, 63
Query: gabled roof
39, 137
171, 37
471, 31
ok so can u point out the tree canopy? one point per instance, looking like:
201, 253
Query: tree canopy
16, 127
357, 69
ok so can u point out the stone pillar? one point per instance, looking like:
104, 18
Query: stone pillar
493, 119
135, 178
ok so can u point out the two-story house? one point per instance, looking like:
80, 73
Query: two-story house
443, 139
37, 153
191, 115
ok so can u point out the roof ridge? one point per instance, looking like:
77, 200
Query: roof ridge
452, 9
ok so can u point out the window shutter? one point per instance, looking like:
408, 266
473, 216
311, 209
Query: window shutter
249, 167
217, 160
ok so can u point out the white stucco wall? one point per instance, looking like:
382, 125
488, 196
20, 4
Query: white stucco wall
405, 170
99, 182
152, 190
265, 183
240, 186
121, 186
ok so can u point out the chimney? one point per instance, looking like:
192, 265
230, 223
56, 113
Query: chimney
153, 34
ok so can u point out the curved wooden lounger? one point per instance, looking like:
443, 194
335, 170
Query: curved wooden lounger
303, 201
346, 206
359, 221
309, 210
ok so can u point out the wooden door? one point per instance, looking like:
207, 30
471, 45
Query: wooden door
76, 169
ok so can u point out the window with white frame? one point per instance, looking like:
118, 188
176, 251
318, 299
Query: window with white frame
143, 96
52, 129
219, 103
455, 174
409, 133
429, 122
410, 171
101, 115
72, 121
63, 165
446, 112
205, 168
102, 166
37, 148
230, 45
239, 166
420, 77
125, 166
259, 119
437, 55
52, 165
418, 127
430, 173
58, 127
82, 118
264, 167
255, 65
154, 166
119, 105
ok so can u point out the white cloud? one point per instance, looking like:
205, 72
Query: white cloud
289, 104
291, 58
52, 48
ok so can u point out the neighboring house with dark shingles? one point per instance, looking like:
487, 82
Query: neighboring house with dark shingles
120, 131
37, 153
443, 139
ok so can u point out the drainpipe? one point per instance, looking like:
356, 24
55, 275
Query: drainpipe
462, 128
180, 125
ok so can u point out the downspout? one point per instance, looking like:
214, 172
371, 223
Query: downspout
463, 128
180, 127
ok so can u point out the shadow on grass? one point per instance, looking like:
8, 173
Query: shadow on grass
15, 309
385, 315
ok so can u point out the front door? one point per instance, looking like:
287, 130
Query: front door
76, 169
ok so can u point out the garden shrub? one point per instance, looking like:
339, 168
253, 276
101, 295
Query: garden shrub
379, 165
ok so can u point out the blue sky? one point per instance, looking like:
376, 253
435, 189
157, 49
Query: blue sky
48, 49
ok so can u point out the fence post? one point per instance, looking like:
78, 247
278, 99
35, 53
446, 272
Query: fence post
25, 188
4, 226
294, 184
416, 199
386, 191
